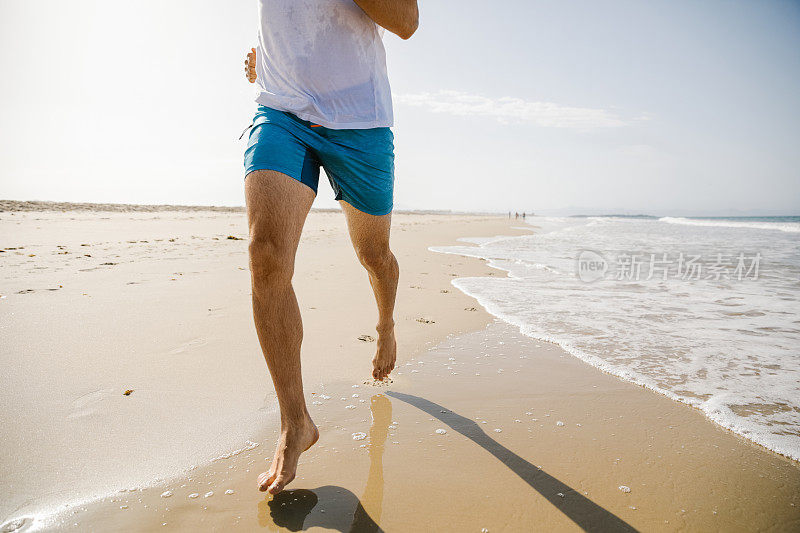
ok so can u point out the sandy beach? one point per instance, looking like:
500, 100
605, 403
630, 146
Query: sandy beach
481, 429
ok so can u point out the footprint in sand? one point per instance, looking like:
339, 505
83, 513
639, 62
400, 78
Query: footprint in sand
194, 343
16, 524
88, 404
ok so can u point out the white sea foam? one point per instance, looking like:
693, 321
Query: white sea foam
725, 346
789, 227
248, 445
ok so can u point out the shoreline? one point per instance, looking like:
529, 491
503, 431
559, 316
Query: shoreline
547, 381
604, 366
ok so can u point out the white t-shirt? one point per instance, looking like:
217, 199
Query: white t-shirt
323, 61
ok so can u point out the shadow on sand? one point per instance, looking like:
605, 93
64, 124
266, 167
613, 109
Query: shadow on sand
337, 509
584, 512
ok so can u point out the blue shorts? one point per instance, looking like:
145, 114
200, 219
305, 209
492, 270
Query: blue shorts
359, 163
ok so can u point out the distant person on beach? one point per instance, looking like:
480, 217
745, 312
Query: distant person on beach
324, 101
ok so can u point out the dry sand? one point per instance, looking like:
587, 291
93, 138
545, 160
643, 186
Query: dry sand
97, 303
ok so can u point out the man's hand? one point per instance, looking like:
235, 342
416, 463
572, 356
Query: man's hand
400, 17
250, 66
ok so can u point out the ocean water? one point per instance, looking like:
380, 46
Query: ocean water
703, 310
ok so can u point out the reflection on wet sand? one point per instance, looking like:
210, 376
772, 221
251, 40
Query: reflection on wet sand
335, 507
372, 499
581, 510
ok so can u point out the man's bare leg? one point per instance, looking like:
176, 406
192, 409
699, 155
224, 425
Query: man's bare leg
370, 237
277, 206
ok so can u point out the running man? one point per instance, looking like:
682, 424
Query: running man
324, 101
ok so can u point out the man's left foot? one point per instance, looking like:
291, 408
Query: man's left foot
383, 362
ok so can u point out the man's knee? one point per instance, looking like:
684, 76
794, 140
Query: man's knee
377, 259
271, 262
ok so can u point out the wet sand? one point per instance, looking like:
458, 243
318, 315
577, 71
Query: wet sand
170, 320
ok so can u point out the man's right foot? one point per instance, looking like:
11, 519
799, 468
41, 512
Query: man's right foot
292, 442
386, 354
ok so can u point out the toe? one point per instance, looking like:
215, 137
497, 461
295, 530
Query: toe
381, 369
265, 480
280, 482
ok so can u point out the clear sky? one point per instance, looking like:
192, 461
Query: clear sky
664, 107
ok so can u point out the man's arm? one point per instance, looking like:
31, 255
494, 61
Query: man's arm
400, 17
